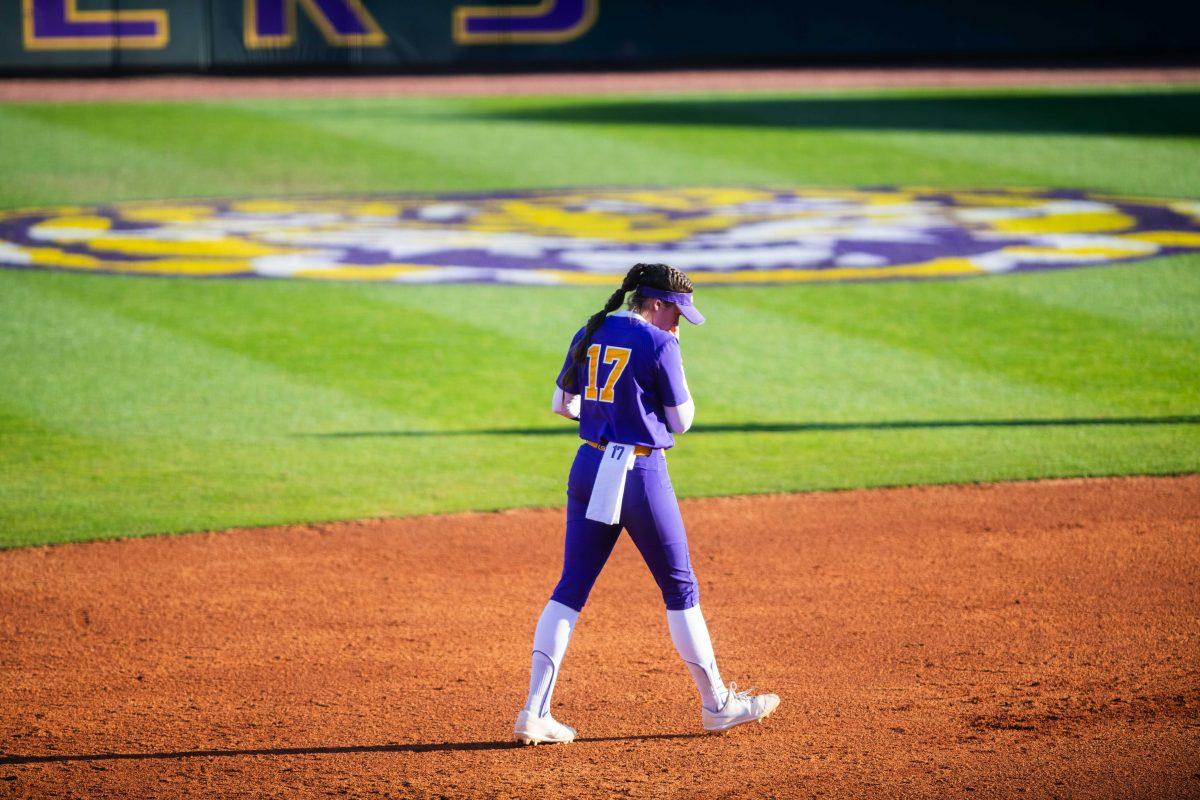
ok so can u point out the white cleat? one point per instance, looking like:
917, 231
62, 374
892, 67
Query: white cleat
740, 708
541, 730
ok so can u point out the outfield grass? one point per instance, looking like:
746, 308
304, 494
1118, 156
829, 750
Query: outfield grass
137, 405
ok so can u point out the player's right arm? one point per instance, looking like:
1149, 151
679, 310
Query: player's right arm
566, 400
566, 404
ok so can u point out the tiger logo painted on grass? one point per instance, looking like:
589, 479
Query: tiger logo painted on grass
719, 235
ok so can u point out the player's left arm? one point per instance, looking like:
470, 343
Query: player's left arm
678, 405
680, 417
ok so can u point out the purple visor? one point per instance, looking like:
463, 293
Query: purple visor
681, 299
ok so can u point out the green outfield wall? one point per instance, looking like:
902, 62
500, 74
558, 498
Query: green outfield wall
49, 36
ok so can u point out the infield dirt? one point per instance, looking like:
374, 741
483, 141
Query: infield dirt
1030, 639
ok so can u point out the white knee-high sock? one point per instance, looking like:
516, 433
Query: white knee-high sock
690, 635
549, 646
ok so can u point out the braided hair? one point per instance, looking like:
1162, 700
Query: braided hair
656, 276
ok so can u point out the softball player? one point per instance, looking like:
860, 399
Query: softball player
623, 382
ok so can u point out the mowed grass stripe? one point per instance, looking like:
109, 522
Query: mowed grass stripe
48, 161
899, 137
359, 463
715, 464
570, 152
1121, 366
81, 368
838, 157
769, 156
202, 435
273, 147
539, 154
1161, 296
543, 318
428, 149
819, 374
1162, 166
141, 485
225, 150
425, 362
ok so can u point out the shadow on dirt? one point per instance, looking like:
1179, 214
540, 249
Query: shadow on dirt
430, 747
792, 427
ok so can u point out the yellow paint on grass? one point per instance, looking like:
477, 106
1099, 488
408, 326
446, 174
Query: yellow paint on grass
188, 248
997, 201
938, 267
1082, 222
60, 259
182, 266
270, 207
374, 209
201, 238
1168, 238
694, 199
934, 268
382, 272
53, 257
172, 214
518, 216
89, 222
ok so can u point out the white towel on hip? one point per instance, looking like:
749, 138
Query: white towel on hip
609, 488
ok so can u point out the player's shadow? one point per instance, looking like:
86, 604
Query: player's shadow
795, 427
425, 747
1149, 111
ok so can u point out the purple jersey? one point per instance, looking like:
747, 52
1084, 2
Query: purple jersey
631, 373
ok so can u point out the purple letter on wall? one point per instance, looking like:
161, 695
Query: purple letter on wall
60, 25
547, 22
343, 23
